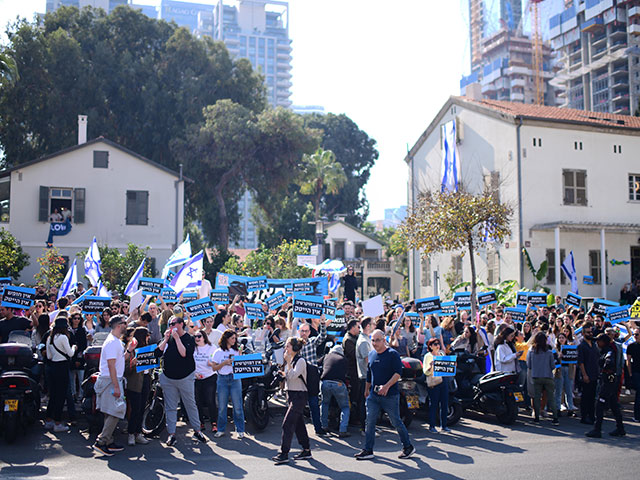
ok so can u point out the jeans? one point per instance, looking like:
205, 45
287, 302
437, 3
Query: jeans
73, 374
636, 405
391, 405
439, 397
338, 390
206, 398
136, 409
314, 408
564, 382
522, 381
547, 384
362, 403
175, 390
58, 386
588, 401
294, 422
227, 386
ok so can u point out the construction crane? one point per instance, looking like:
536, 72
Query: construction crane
536, 39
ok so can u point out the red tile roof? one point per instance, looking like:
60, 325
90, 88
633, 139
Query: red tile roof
558, 114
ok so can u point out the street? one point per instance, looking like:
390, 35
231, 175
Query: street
477, 448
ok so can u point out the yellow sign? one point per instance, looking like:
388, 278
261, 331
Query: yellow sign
635, 309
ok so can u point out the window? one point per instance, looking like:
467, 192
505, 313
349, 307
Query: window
426, 272
456, 268
537, 142
634, 188
338, 249
594, 266
493, 267
551, 266
359, 249
5, 195
577, 145
137, 207
617, 149
575, 187
100, 159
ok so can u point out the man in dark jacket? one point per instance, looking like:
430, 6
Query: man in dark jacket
350, 284
349, 344
334, 367
607, 387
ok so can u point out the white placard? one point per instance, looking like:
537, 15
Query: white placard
135, 300
373, 307
302, 259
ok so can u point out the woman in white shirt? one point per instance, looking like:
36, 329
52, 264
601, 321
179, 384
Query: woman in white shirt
59, 352
227, 385
506, 355
206, 379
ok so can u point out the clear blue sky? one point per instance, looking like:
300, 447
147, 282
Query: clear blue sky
388, 65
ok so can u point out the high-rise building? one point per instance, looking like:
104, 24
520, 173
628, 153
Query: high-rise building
308, 109
106, 5
598, 48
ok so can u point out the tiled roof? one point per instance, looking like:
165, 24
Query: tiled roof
557, 114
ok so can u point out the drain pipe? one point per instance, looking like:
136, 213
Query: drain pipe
520, 223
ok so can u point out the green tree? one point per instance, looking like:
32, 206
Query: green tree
443, 221
51, 271
12, 258
8, 69
277, 262
320, 173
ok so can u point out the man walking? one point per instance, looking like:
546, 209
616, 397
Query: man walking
588, 364
381, 390
633, 364
363, 348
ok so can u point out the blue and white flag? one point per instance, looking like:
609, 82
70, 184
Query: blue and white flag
179, 257
92, 263
569, 269
450, 162
102, 290
190, 274
70, 281
132, 286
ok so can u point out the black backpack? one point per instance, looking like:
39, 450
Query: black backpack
313, 379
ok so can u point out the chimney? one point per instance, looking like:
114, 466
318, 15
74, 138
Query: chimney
82, 129
473, 91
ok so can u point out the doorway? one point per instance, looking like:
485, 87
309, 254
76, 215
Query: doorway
635, 263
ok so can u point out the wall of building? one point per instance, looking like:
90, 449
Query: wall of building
342, 232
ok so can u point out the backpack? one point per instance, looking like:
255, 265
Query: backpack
313, 379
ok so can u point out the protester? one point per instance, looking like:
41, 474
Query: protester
333, 385
228, 386
633, 364
588, 356
134, 388
563, 377
104, 319
540, 365
506, 354
385, 369
177, 378
437, 388
11, 323
363, 348
349, 345
76, 367
206, 379
350, 283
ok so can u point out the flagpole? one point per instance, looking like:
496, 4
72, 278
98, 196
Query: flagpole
557, 261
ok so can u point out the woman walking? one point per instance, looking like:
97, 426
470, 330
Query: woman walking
59, 352
541, 364
227, 386
206, 379
437, 387
563, 377
133, 393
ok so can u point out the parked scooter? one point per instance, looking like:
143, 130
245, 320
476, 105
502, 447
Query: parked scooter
497, 393
19, 392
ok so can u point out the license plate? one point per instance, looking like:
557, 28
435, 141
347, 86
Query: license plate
413, 402
11, 405
519, 397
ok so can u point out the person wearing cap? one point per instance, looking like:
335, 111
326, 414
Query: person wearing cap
109, 386
607, 387
333, 385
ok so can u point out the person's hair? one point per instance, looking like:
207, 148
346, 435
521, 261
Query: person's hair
366, 322
432, 319
351, 324
389, 316
411, 327
73, 316
381, 323
587, 325
433, 341
141, 334
540, 343
502, 336
217, 320
599, 317
64, 330
62, 303
235, 317
128, 333
558, 344
447, 323
41, 303
43, 324
146, 317
205, 337
491, 326
296, 343
224, 339
269, 320
473, 339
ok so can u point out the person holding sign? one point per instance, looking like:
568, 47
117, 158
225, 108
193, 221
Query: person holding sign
506, 354
134, 391
227, 385
541, 363
563, 376
438, 388
206, 379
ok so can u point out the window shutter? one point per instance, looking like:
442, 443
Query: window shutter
78, 205
43, 210
143, 206
131, 205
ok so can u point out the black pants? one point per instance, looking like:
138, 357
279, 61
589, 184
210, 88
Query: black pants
206, 397
588, 401
362, 404
136, 410
608, 398
58, 386
294, 422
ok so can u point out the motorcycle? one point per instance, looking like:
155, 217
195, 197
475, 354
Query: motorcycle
91, 372
497, 393
19, 392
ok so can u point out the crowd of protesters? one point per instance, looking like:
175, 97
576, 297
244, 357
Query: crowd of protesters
360, 372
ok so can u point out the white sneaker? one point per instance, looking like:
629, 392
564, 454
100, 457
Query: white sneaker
49, 424
131, 440
58, 428
141, 439
240, 435
218, 434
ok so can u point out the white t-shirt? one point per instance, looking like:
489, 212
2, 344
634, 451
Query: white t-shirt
205, 289
223, 328
112, 348
214, 337
202, 355
220, 356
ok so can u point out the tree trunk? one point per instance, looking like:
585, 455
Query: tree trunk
223, 234
474, 294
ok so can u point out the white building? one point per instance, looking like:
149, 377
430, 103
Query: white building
572, 176
114, 194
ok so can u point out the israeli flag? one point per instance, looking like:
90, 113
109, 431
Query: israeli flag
132, 286
92, 263
70, 281
450, 162
190, 275
569, 269
102, 291
179, 257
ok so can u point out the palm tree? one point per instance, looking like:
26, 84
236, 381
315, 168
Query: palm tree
320, 173
8, 69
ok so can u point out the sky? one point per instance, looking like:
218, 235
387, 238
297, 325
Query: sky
388, 65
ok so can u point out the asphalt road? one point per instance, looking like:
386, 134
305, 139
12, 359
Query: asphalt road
477, 448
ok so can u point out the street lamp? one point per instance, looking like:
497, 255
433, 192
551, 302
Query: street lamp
320, 237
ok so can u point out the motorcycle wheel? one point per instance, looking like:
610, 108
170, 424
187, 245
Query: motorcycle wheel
455, 413
508, 417
11, 428
256, 410
406, 414
153, 418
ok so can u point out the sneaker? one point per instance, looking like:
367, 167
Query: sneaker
171, 441
364, 455
104, 449
114, 447
433, 430
131, 440
555, 422
407, 452
571, 413
214, 428
363, 432
240, 435
322, 433
141, 439
445, 429
594, 434
280, 458
344, 434
200, 437
218, 434
49, 424
303, 455
60, 427
536, 420
618, 433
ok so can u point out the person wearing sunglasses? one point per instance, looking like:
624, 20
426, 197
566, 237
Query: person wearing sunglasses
633, 364
206, 379
177, 378
79, 339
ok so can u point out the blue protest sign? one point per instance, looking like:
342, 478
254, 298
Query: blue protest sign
189, 295
92, 305
170, 275
58, 228
537, 299
522, 298
276, 300
280, 284
518, 314
200, 309
462, 300
339, 322
618, 314
146, 359
430, 305
169, 295
254, 311
317, 286
307, 306
600, 306
151, 286
219, 296
329, 311
444, 366
447, 309
82, 297
487, 298
5, 281
256, 283
18, 297
247, 366
587, 279
415, 318
573, 300
236, 284
569, 354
